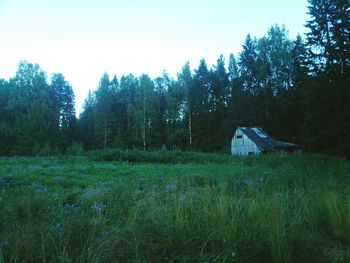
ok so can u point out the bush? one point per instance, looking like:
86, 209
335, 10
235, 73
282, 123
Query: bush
76, 149
162, 156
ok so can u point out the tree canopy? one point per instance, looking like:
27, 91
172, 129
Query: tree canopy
296, 89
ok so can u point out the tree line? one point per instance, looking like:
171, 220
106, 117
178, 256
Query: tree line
296, 89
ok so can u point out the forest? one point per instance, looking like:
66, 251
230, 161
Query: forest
296, 89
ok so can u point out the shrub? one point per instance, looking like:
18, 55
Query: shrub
162, 156
76, 149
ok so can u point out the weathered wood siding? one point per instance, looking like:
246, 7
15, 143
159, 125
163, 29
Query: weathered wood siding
242, 145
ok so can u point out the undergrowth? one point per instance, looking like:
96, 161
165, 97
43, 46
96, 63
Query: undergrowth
164, 207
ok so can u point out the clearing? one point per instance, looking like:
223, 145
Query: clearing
185, 207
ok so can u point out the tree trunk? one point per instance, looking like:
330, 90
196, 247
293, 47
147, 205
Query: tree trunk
105, 135
190, 126
144, 123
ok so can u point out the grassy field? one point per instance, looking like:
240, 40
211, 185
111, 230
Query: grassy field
129, 206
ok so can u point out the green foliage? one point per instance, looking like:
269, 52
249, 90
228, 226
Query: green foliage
86, 124
297, 90
63, 112
248, 64
328, 37
104, 116
76, 149
213, 208
36, 117
6, 119
163, 156
29, 102
327, 94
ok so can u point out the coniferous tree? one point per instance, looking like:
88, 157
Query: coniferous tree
329, 37
297, 91
104, 117
218, 99
64, 122
327, 94
248, 74
290, 113
7, 134
233, 119
232, 68
176, 126
200, 106
86, 123
248, 68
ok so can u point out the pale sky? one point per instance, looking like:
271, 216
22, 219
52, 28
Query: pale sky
82, 39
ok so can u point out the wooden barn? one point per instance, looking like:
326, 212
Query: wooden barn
253, 140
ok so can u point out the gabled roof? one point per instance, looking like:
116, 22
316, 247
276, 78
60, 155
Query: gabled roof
264, 141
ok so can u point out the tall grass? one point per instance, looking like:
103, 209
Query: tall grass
282, 209
162, 156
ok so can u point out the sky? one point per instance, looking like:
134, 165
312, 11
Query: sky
82, 39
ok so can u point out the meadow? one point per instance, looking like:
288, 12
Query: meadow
134, 206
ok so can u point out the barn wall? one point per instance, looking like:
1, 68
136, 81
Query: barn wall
243, 146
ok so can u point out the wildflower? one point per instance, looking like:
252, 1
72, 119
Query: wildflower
5, 244
34, 168
52, 207
40, 189
170, 188
99, 208
54, 167
71, 205
249, 182
59, 229
74, 207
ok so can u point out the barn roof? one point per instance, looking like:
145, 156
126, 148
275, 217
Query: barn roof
264, 141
